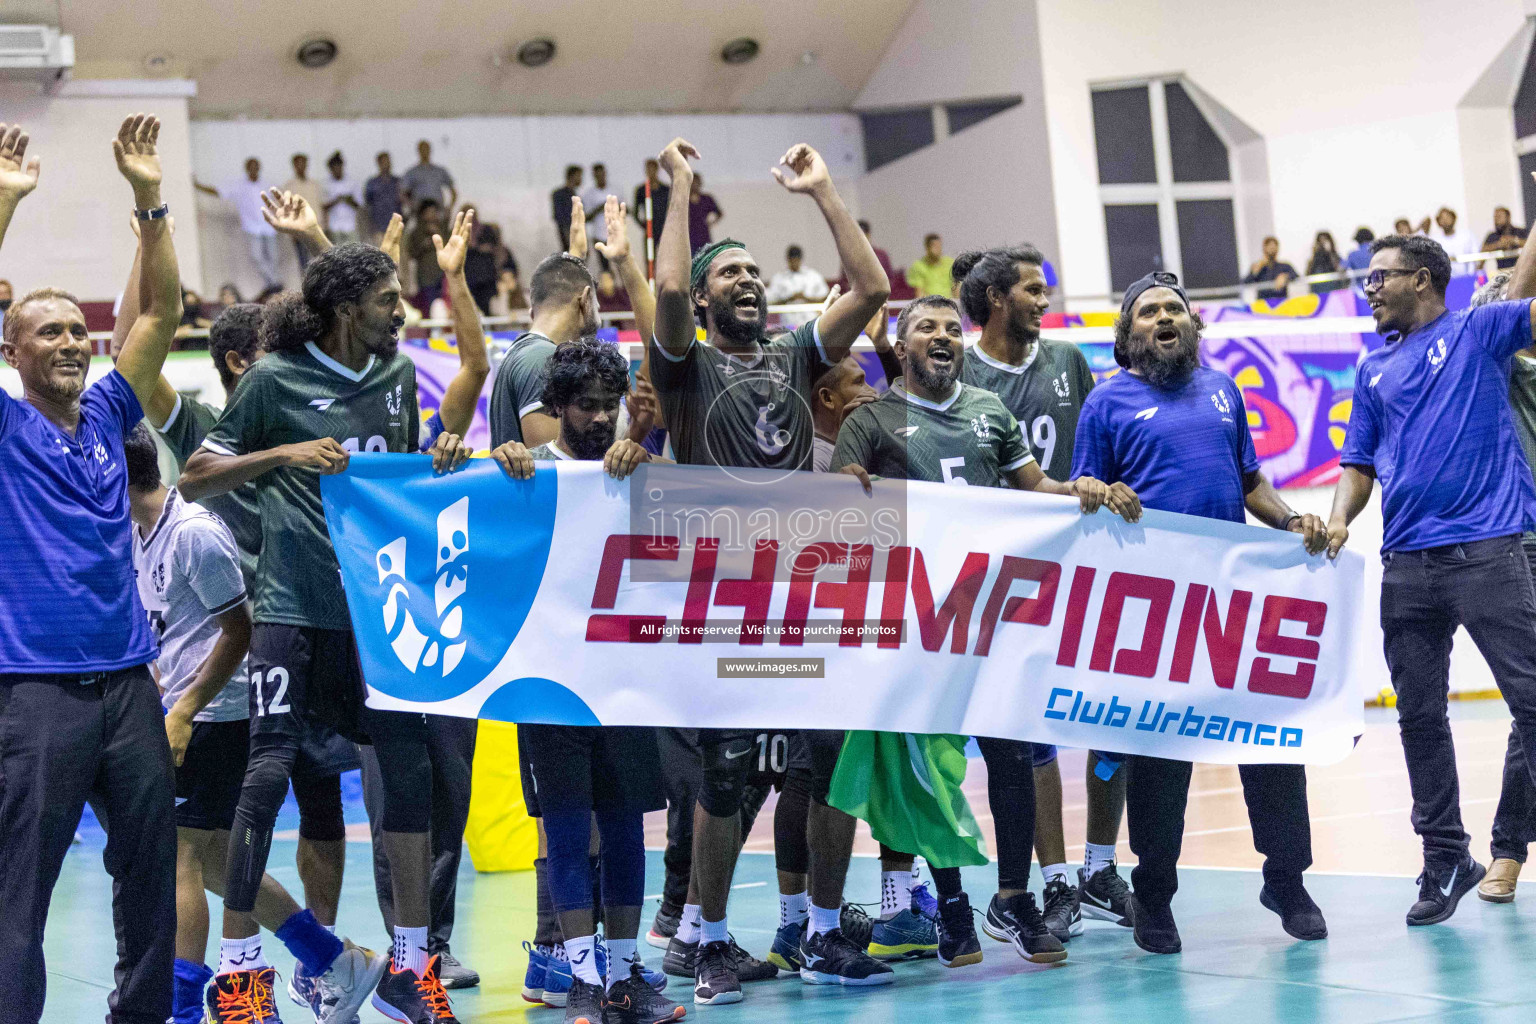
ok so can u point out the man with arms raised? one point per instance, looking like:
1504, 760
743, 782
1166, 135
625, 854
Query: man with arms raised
1177, 433
740, 400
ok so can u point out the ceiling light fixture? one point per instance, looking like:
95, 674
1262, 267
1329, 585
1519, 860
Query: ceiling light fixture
535, 53
316, 53
739, 51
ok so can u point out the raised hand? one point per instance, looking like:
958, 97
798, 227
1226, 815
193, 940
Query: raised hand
808, 171
674, 159
616, 248
643, 407
390, 243
138, 160
288, 212
577, 243
450, 254
18, 175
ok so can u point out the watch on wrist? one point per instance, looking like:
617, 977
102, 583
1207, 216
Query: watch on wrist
1286, 526
158, 213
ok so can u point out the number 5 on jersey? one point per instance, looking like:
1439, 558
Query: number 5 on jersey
273, 702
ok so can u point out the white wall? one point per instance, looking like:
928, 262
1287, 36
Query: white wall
73, 231
1357, 104
508, 166
990, 184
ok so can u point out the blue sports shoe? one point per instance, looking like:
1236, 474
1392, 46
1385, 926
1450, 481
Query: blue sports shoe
304, 990
557, 977
785, 951
907, 936
656, 979
925, 903
538, 971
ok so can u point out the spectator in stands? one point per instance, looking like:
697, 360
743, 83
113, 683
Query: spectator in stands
428, 181
610, 297
1504, 237
1325, 260
703, 214
269, 294
192, 313
796, 283
560, 201
301, 184
1402, 226
899, 287
930, 273
382, 198
229, 295
419, 247
592, 200
259, 235
1455, 242
484, 263
661, 195
510, 297
1273, 271
341, 202
5, 298
1359, 260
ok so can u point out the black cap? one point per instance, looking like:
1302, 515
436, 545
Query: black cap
1156, 279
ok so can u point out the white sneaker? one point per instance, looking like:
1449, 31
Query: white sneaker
350, 980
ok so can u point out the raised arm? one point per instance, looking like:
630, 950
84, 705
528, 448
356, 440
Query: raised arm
163, 402
1272, 510
616, 251
879, 331
868, 287
458, 408
1350, 496
576, 244
290, 214
674, 299
149, 339
18, 175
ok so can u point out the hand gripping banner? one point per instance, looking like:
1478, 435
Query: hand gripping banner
698, 597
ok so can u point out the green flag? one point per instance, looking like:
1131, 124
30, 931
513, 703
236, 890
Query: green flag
907, 786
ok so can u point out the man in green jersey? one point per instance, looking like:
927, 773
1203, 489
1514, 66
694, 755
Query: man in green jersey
929, 426
333, 383
1043, 383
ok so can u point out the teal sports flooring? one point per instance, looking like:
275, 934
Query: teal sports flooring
1237, 967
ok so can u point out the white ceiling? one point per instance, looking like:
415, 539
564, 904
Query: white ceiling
418, 57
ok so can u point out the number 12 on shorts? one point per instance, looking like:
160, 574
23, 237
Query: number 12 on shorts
277, 676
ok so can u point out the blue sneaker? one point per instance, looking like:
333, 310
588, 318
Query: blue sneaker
656, 979
304, 990
538, 970
924, 902
557, 978
785, 951
907, 936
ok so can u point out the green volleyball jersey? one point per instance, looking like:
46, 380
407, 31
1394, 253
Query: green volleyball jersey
300, 395
971, 438
183, 434
1045, 394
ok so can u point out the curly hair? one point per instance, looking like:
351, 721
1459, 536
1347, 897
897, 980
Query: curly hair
1496, 290
980, 270
141, 458
339, 275
237, 329
925, 302
1420, 252
576, 366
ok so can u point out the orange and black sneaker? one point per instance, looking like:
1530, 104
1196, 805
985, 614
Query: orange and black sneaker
413, 998
242, 997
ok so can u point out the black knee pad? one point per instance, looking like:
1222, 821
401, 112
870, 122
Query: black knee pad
320, 815
261, 797
727, 759
406, 771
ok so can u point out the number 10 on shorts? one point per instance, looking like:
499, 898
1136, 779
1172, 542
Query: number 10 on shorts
277, 681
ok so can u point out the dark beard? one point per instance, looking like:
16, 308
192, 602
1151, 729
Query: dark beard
594, 443
937, 381
1162, 369
735, 330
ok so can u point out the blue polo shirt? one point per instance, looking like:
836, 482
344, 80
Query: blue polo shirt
68, 600
1183, 448
1431, 417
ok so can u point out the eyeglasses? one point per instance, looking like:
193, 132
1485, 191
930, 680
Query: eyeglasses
1377, 278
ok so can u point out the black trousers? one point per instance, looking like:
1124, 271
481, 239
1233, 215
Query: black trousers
63, 741
1486, 587
451, 750
1514, 823
1156, 792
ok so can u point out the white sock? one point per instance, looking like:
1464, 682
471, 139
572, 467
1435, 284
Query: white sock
793, 909
824, 920
330, 928
410, 950
895, 893
713, 931
622, 955
1052, 871
1096, 857
241, 955
688, 927
582, 953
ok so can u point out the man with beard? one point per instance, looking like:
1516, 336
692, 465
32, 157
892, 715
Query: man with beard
1432, 419
580, 774
741, 400
1177, 433
333, 383
925, 428
1043, 383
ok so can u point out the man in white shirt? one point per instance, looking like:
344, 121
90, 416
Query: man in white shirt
342, 201
592, 200
1455, 242
245, 194
796, 284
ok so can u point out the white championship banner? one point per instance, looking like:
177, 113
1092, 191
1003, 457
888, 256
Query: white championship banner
696, 597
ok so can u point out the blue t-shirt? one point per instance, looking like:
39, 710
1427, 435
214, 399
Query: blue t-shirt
1184, 448
1431, 417
68, 600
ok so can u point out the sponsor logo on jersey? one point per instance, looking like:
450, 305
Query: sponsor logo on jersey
907, 431
1222, 403
392, 399
415, 648
157, 577
1062, 386
981, 427
1436, 355
1375, 379
1146, 414
321, 403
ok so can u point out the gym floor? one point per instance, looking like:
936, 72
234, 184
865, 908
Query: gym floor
1236, 960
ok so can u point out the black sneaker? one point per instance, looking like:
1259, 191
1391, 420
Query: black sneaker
1017, 920
958, 945
1102, 897
680, 958
749, 967
584, 1003
414, 998
1299, 916
1440, 890
1153, 929
714, 977
454, 973
856, 925
632, 1000
831, 958
663, 928
1063, 914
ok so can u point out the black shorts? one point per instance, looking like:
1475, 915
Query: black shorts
530, 791
587, 768
307, 684
209, 779
771, 759
813, 757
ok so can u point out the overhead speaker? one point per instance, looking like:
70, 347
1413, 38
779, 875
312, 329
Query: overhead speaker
316, 53
739, 51
535, 53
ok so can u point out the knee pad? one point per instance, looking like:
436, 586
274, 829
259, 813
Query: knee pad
623, 857
406, 772
726, 764
569, 834
1043, 754
791, 849
320, 816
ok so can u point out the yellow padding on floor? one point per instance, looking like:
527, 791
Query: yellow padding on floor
500, 835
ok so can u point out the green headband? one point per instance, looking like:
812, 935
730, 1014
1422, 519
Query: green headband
707, 256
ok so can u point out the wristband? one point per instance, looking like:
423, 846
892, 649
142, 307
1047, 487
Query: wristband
1286, 526
158, 213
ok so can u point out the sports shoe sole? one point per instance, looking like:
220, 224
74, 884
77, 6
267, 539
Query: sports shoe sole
389, 1011
369, 980
723, 999
905, 951
783, 963
533, 995
1098, 913
1269, 903
1473, 879
820, 978
1034, 958
1508, 897
555, 999
657, 940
